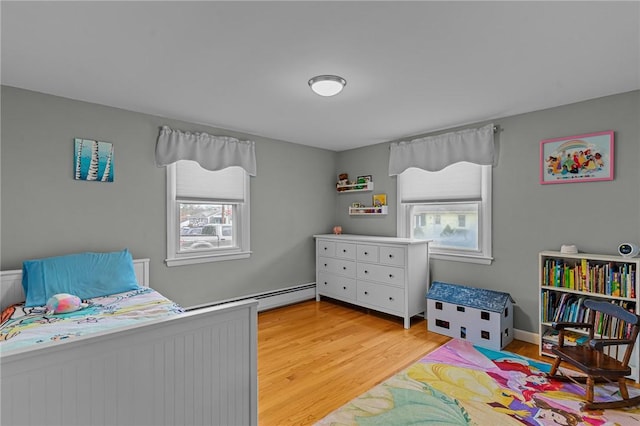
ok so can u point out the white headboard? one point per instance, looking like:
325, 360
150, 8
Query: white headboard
11, 282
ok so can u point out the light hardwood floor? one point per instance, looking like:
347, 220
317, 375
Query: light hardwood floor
314, 357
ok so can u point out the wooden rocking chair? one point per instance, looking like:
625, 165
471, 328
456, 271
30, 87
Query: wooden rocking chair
602, 358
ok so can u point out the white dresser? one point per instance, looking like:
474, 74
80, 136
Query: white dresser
385, 274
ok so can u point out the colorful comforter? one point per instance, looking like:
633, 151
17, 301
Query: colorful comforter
23, 326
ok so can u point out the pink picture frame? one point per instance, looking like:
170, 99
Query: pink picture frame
579, 158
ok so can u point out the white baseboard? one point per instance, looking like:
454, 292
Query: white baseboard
287, 296
526, 336
272, 299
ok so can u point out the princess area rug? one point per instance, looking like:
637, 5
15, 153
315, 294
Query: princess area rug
463, 384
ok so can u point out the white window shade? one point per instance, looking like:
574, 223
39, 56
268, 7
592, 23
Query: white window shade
459, 181
195, 183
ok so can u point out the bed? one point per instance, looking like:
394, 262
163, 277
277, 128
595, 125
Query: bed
193, 368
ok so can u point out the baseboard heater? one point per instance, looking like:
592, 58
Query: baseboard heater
272, 299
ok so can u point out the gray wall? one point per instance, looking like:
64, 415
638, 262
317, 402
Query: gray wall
45, 212
529, 217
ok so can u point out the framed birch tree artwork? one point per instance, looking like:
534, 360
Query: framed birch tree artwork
93, 160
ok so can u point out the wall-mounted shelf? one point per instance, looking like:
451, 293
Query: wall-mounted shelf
356, 187
369, 211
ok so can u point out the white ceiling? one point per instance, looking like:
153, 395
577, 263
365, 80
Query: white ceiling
411, 67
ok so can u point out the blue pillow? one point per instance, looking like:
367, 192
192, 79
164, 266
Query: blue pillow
85, 275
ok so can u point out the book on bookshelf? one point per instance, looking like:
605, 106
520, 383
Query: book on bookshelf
610, 278
571, 338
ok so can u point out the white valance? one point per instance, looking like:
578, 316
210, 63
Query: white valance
211, 152
434, 153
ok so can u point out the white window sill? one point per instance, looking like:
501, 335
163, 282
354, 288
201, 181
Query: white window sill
191, 260
459, 257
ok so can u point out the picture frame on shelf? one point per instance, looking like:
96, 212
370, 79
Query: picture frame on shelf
379, 200
580, 158
366, 178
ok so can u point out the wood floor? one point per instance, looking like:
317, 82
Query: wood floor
313, 357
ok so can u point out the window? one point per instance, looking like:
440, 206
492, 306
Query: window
207, 214
450, 207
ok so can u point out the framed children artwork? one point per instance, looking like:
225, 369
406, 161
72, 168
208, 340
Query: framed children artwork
580, 158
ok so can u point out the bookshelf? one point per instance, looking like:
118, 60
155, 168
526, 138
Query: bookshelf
566, 280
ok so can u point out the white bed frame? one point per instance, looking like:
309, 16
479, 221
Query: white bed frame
196, 368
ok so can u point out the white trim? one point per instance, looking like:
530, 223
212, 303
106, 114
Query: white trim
172, 212
272, 298
485, 230
192, 260
526, 336
461, 257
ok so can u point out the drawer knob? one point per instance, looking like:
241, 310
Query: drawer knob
325, 283
325, 265
325, 248
391, 298
366, 272
366, 253
390, 275
390, 256
344, 288
344, 250
366, 292
344, 268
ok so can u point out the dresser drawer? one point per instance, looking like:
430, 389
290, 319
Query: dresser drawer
384, 274
333, 285
346, 251
337, 266
392, 255
390, 298
326, 248
366, 253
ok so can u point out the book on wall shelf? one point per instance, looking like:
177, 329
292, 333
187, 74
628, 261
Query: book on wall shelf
567, 280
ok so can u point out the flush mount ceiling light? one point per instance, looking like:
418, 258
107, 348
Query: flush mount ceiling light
327, 85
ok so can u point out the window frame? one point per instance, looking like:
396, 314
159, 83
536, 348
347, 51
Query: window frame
241, 227
484, 253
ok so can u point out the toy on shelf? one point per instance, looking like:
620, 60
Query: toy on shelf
343, 180
362, 183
